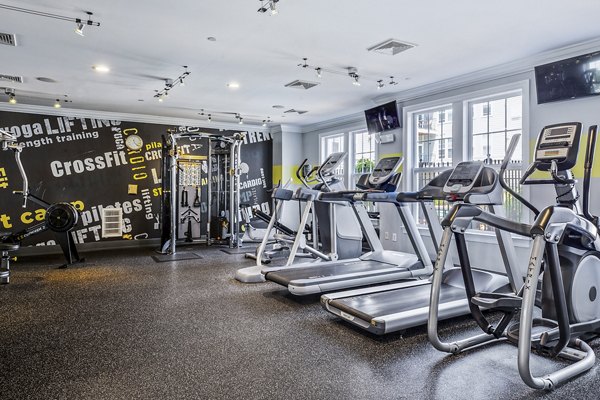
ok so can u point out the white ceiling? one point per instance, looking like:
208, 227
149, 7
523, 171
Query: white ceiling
147, 41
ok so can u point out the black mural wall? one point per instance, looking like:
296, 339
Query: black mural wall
85, 161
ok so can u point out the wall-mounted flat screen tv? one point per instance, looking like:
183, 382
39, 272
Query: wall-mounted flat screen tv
568, 79
383, 118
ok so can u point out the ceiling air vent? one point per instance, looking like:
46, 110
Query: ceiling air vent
391, 47
292, 110
8, 39
298, 84
11, 78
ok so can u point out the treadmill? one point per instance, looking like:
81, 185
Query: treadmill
374, 267
400, 306
338, 229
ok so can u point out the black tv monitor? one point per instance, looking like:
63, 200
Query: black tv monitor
383, 118
568, 79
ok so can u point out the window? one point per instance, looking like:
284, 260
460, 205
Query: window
364, 158
334, 144
488, 121
491, 134
433, 130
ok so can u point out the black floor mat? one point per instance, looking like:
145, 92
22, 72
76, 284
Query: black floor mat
186, 255
240, 250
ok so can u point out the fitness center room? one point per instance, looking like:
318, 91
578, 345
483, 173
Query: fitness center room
307, 199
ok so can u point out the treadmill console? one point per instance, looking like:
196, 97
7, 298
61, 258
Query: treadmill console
383, 171
332, 162
558, 142
463, 177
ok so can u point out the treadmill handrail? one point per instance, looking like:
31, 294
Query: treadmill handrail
469, 212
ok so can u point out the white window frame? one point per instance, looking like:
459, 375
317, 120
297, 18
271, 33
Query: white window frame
322, 156
461, 138
412, 156
352, 154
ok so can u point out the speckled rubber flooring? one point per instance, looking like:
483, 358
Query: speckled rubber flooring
125, 327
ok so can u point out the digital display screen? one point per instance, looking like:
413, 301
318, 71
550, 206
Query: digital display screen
383, 118
558, 132
387, 164
465, 171
568, 79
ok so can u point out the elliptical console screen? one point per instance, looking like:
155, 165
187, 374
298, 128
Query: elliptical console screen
556, 142
463, 177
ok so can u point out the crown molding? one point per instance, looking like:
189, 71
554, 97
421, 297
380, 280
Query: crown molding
520, 66
352, 121
506, 70
143, 118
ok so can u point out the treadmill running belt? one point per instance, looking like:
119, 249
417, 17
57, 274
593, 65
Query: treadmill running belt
285, 276
367, 307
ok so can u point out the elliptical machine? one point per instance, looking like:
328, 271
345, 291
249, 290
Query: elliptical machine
60, 218
565, 244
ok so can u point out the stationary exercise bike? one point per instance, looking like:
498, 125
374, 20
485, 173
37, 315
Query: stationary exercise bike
59, 218
565, 244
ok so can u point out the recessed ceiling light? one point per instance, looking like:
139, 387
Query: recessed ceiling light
233, 85
140, 99
278, 106
101, 68
211, 39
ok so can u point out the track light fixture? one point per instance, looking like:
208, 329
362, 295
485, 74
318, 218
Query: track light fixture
350, 71
12, 99
268, 5
80, 24
171, 83
79, 29
226, 117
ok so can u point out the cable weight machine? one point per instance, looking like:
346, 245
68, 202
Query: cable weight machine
209, 164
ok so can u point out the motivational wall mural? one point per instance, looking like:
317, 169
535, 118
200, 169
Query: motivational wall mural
86, 162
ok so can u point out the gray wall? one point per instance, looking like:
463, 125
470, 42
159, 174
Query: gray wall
485, 252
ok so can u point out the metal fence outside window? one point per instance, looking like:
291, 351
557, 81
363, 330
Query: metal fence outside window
512, 207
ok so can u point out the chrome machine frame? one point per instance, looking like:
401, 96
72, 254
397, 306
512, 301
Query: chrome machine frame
169, 246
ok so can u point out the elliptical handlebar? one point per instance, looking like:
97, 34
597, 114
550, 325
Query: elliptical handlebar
587, 171
509, 153
25, 191
306, 178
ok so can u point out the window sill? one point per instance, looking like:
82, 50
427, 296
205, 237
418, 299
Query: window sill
473, 235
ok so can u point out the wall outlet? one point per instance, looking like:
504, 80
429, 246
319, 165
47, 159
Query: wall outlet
394, 237
386, 236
